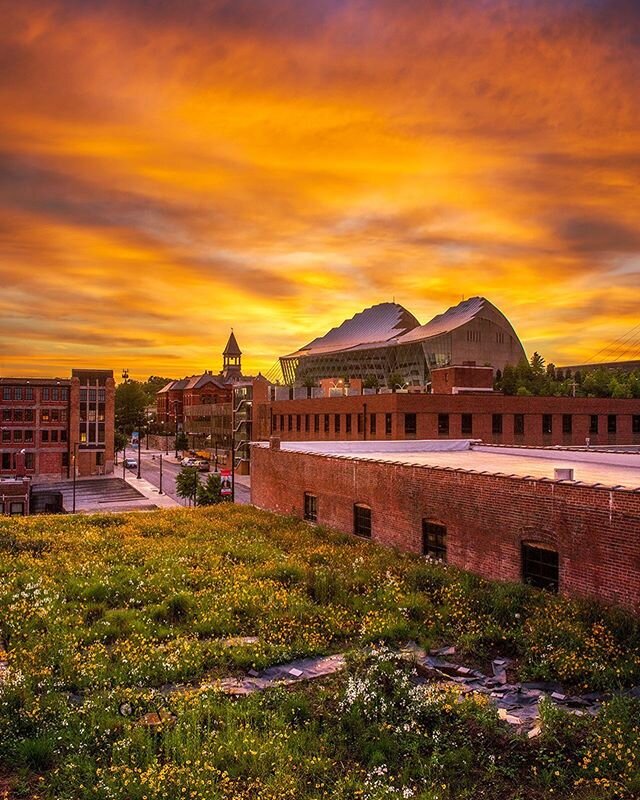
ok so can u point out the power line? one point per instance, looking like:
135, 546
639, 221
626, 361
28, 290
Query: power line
615, 341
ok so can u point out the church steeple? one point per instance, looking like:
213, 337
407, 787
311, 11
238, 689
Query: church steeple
232, 359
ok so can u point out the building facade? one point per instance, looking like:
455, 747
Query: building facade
579, 538
47, 425
386, 341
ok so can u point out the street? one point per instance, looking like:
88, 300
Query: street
150, 471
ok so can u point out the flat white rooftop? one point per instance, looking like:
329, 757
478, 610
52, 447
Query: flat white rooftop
591, 467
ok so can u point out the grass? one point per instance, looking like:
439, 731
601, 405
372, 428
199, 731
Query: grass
97, 612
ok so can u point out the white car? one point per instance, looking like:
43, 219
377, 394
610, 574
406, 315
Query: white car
131, 463
189, 462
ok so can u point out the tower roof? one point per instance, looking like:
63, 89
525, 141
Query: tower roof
232, 348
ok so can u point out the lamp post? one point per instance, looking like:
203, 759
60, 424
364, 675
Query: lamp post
175, 414
160, 488
138, 476
233, 448
75, 470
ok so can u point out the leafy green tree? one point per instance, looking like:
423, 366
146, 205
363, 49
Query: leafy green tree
131, 402
119, 441
182, 441
370, 382
152, 386
187, 482
396, 381
537, 364
208, 493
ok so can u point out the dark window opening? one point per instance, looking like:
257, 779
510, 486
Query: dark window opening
547, 424
410, 424
316, 423
466, 424
540, 567
362, 520
518, 424
360, 423
567, 423
496, 423
635, 423
289, 422
612, 423
326, 423
443, 424
434, 540
387, 424
336, 423
298, 422
372, 423
593, 424
348, 423
310, 507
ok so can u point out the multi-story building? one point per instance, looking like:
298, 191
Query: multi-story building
48, 424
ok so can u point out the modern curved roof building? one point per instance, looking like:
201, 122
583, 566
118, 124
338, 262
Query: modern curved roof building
387, 339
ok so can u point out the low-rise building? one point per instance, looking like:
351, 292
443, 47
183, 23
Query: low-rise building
48, 423
564, 520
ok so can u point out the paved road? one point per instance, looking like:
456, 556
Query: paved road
150, 470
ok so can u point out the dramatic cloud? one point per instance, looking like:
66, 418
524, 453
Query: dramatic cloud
171, 169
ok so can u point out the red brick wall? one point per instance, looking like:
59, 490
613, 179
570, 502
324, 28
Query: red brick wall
445, 379
427, 407
595, 530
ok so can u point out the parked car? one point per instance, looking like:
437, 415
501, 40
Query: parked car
131, 463
189, 461
203, 465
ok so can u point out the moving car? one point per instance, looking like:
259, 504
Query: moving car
189, 461
131, 463
203, 465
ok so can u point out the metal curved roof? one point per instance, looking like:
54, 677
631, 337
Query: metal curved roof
453, 318
375, 325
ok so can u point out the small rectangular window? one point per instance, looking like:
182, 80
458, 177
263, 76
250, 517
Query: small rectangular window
307, 423
360, 423
44, 415
496, 423
6, 461
362, 520
316, 423
310, 507
466, 424
17, 436
17, 415
593, 424
635, 423
434, 540
518, 424
6, 436
44, 393
28, 436
567, 424
29, 460
289, 422
54, 436
547, 424
347, 420
612, 423
44, 436
336, 423
387, 424
372, 423
17, 393
6, 393
298, 422
540, 567
326, 423
6, 415
16, 509
28, 393
410, 424
443, 424
64, 394
55, 394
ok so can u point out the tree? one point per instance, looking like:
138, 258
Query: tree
537, 364
152, 386
208, 493
119, 441
187, 482
396, 381
182, 441
370, 382
131, 402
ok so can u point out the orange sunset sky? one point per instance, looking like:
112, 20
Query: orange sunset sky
172, 168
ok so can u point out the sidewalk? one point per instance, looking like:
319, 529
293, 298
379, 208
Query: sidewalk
150, 492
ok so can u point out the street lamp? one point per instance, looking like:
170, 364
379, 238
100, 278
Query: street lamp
75, 470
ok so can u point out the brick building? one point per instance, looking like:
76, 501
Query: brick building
467, 413
45, 422
15, 495
497, 512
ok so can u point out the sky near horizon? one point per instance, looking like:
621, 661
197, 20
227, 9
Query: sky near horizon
175, 168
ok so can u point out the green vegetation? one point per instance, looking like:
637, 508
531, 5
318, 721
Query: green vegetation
97, 614
534, 378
